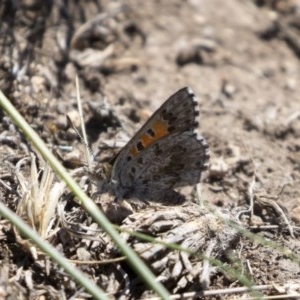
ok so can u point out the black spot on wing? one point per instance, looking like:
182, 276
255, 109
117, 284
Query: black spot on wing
140, 146
151, 132
171, 129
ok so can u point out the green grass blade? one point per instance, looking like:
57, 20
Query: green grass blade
137, 264
52, 252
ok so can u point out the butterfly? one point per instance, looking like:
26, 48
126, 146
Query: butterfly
166, 153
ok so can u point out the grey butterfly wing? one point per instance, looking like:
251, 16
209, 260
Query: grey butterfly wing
175, 161
165, 153
177, 114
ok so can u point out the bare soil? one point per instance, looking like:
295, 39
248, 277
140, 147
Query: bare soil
240, 57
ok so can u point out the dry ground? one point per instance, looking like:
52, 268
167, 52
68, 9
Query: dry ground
240, 57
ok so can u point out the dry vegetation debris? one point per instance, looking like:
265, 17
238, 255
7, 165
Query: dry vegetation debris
242, 59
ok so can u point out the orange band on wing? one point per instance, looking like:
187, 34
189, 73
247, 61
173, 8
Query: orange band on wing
134, 152
160, 130
147, 140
